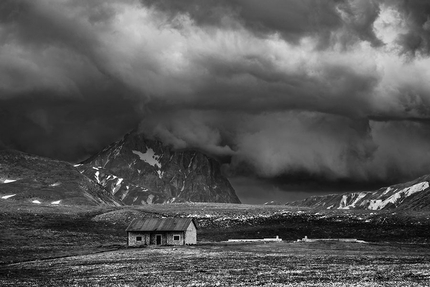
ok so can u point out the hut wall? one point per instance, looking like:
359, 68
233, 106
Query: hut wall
167, 237
179, 236
191, 234
133, 237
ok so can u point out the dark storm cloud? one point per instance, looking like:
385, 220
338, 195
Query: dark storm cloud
57, 97
293, 19
334, 89
66, 129
416, 38
290, 18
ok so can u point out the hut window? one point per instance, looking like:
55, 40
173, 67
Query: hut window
176, 237
139, 238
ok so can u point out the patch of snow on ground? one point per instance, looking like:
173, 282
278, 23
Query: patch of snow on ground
55, 184
36, 201
77, 165
149, 157
203, 216
9, 180
8, 196
56, 202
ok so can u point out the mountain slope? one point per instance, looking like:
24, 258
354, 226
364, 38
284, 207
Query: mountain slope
142, 171
413, 195
45, 181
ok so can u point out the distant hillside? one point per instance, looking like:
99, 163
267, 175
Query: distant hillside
45, 181
142, 171
413, 195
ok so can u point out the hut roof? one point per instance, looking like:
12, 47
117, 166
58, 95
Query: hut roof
160, 224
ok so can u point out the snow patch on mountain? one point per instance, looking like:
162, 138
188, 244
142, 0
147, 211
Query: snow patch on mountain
125, 193
9, 180
150, 199
139, 171
387, 190
36, 201
415, 188
97, 176
117, 185
149, 157
412, 195
398, 196
56, 202
160, 173
343, 202
8, 196
376, 204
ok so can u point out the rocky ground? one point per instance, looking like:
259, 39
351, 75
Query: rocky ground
223, 264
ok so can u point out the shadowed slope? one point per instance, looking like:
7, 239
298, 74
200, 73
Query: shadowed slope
45, 181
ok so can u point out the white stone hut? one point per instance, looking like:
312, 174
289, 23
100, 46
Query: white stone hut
162, 231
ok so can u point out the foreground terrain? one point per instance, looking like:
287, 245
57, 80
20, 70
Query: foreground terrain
227, 264
45, 245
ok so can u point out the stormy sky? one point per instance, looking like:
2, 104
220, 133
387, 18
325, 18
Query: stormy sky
301, 96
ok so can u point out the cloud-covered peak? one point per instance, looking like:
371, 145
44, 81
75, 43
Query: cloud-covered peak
333, 88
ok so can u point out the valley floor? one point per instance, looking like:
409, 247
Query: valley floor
43, 245
227, 264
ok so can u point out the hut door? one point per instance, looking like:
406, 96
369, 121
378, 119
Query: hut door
158, 239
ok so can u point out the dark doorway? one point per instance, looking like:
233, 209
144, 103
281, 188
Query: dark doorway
158, 239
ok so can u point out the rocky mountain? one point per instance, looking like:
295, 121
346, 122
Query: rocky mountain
42, 180
139, 171
413, 195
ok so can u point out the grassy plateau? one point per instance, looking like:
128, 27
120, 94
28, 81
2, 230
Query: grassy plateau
43, 245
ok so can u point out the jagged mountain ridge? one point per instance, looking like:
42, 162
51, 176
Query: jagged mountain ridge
139, 171
412, 195
41, 180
